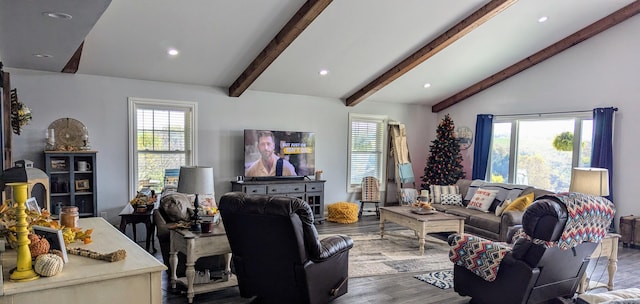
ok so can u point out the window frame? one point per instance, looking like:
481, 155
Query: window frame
514, 139
383, 121
191, 143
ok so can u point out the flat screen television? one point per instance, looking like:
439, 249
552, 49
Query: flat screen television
271, 154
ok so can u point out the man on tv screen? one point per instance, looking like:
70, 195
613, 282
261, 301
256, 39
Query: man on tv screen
269, 163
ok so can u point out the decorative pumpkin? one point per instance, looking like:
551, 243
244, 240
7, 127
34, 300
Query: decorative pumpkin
48, 265
38, 245
57, 252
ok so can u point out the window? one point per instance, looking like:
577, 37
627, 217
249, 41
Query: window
161, 138
367, 138
540, 152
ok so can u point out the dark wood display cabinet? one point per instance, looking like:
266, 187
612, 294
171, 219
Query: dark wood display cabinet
72, 176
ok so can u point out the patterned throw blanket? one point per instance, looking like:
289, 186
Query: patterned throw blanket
589, 218
480, 256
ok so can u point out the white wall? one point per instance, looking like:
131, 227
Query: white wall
101, 104
600, 72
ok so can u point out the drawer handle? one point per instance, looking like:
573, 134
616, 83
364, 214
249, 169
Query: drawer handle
273, 190
296, 189
254, 190
313, 188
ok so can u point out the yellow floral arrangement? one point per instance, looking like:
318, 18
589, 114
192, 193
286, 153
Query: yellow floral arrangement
8, 223
209, 210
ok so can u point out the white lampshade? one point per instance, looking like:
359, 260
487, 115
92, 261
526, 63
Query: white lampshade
196, 180
594, 181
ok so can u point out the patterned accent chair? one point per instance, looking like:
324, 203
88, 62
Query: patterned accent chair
370, 194
276, 251
533, 270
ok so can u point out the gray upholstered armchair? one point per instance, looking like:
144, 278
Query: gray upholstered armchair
276, 251
173, 209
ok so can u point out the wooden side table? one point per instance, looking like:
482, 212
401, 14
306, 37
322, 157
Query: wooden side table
196, 245
143, 217
608, 247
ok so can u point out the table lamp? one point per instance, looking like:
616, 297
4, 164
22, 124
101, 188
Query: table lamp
594, 181
195, 180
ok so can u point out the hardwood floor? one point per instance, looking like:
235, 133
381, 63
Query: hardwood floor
404, 288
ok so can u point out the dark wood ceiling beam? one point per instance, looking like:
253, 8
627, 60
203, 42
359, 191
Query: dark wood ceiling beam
464, 27
556, 48
74, 62
298, 23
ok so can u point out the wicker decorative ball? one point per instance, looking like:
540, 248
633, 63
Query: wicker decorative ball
38, 245
343, 212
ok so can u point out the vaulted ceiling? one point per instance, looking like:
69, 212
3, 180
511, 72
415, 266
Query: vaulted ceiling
373, 50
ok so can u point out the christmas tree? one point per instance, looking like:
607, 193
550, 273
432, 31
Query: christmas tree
444, 164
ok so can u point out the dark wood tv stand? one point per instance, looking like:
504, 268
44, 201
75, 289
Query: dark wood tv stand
312, 191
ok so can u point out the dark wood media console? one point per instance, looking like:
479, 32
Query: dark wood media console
312, 191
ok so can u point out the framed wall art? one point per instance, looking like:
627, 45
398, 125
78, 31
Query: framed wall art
32, 205
82, 185
54, 236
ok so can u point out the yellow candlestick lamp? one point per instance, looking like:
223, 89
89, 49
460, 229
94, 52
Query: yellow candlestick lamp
24, 271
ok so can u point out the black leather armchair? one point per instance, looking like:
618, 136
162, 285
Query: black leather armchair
531, 273
276, 251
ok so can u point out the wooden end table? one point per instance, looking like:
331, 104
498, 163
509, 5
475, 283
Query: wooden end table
196, 245
608, 247
420, 224
134, 219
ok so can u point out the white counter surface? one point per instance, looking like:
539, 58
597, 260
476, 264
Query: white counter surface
137, 278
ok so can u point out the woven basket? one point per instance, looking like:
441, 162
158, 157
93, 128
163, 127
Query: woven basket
343, 212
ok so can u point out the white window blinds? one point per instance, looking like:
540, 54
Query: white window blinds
163, 139
366, 148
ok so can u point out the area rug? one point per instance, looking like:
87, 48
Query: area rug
441, 279
372, 255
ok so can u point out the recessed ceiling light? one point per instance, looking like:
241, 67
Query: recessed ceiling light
42, 55
427, 85
323, 72
173, 52
57, 15
543, 19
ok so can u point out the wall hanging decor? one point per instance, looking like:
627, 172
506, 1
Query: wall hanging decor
67, 134
465, 137
20, 114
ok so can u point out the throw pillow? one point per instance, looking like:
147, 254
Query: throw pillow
482, 199
174, 207
520, 203
500, 208
473, 187
435, 191
451, 199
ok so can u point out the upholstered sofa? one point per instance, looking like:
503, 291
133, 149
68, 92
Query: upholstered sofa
487, 224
